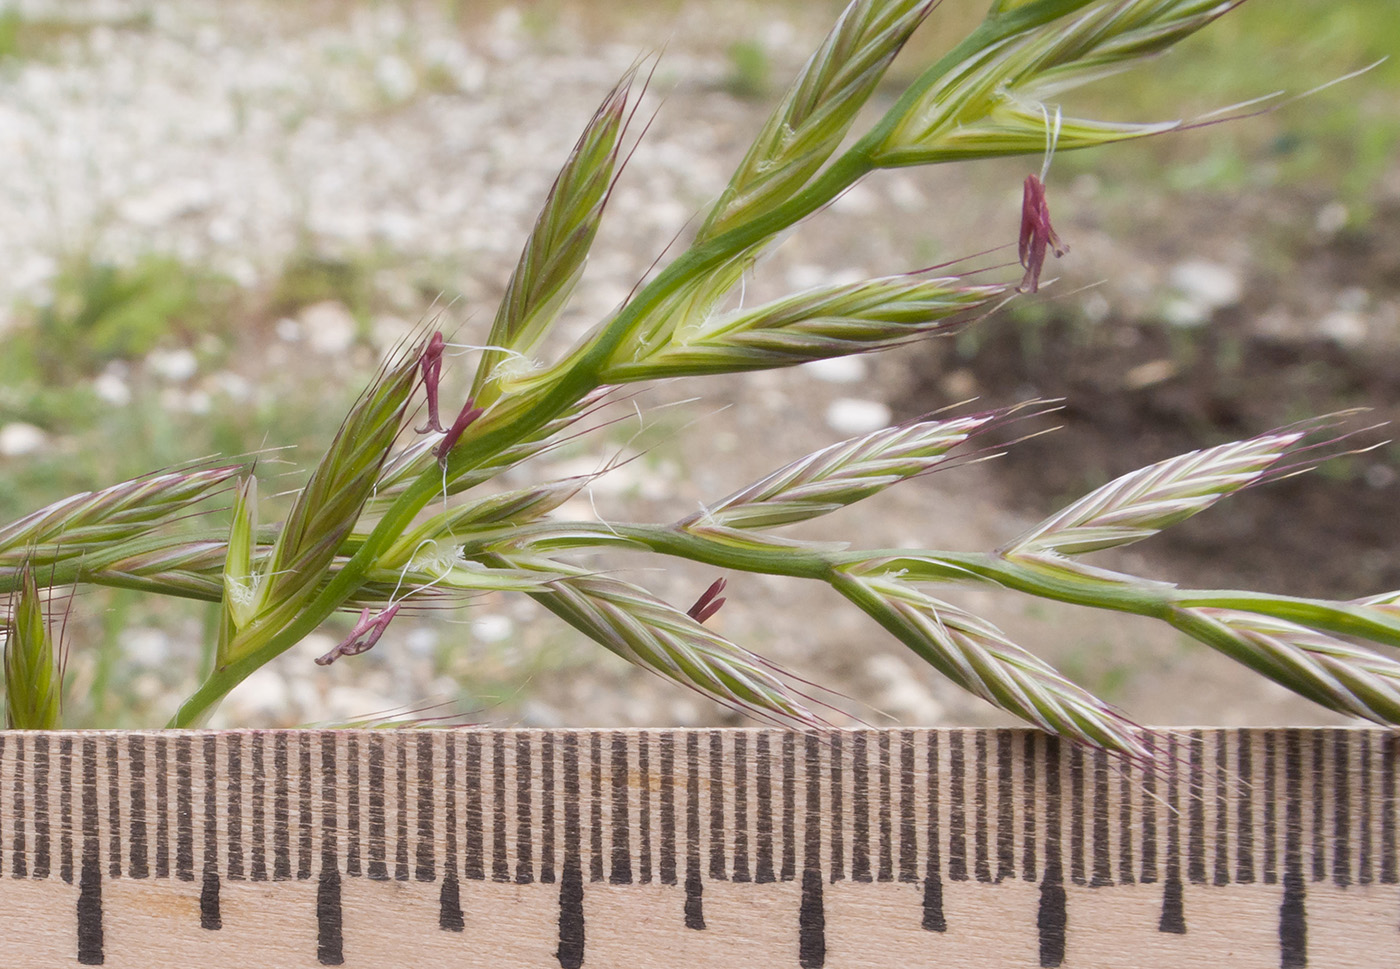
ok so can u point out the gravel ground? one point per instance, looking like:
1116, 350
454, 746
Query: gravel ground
238, 135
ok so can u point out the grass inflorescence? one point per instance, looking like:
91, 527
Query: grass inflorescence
389, 519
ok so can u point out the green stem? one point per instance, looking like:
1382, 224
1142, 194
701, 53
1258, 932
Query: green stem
1153, 599
795, 561
1342, 618
1166, 602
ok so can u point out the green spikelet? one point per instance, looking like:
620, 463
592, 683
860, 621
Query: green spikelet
33, 678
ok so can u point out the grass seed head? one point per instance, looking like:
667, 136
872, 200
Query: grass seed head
643, 629
829, 322
555, 253
817, 111
842, 474
33, 673
326, 510
1141, 503
994, 102
1313, 664
88, 525
241, 583
978, 657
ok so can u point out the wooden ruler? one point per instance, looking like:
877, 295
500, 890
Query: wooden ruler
505, 848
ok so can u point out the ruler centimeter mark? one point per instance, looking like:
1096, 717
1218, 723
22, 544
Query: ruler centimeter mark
567, 809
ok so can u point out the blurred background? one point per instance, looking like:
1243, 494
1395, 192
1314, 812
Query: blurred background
216, 217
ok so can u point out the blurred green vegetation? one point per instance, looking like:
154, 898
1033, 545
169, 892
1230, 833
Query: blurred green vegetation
309, 277
750, 70
98, 312
1339, 141
76, 367
25, 35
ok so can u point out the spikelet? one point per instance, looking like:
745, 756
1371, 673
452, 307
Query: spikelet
629, 621
88, 525
555, 253
978, 657
994, 102
817, 111
841, 474
833, 321
1141, 503
33, 674
1324, 669
325, 510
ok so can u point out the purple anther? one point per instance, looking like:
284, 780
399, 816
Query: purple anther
469, 413
709, 602
1037, 234
363, 637
431, 363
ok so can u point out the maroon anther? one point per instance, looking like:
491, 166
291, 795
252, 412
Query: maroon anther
363, 637
1037, 234
709, 602
454, 433
431, 363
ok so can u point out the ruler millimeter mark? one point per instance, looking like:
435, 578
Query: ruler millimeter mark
566, 810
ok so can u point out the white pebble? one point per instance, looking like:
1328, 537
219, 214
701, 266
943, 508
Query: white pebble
905, 194
350, 703
1343, 327
858, 200
421, 640
388, 332
902, 692
176, 401
233, 386
395, 78
806, 276
1331, 218
1380, 476
329, 327
1149, 374
146, 646
849, 415
315, 644
1185, 313
1095, 307
176, 365
288, 330
492, 628
1353, 298
1207, 284
19, 438
810, 276
111, 389
537, 713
